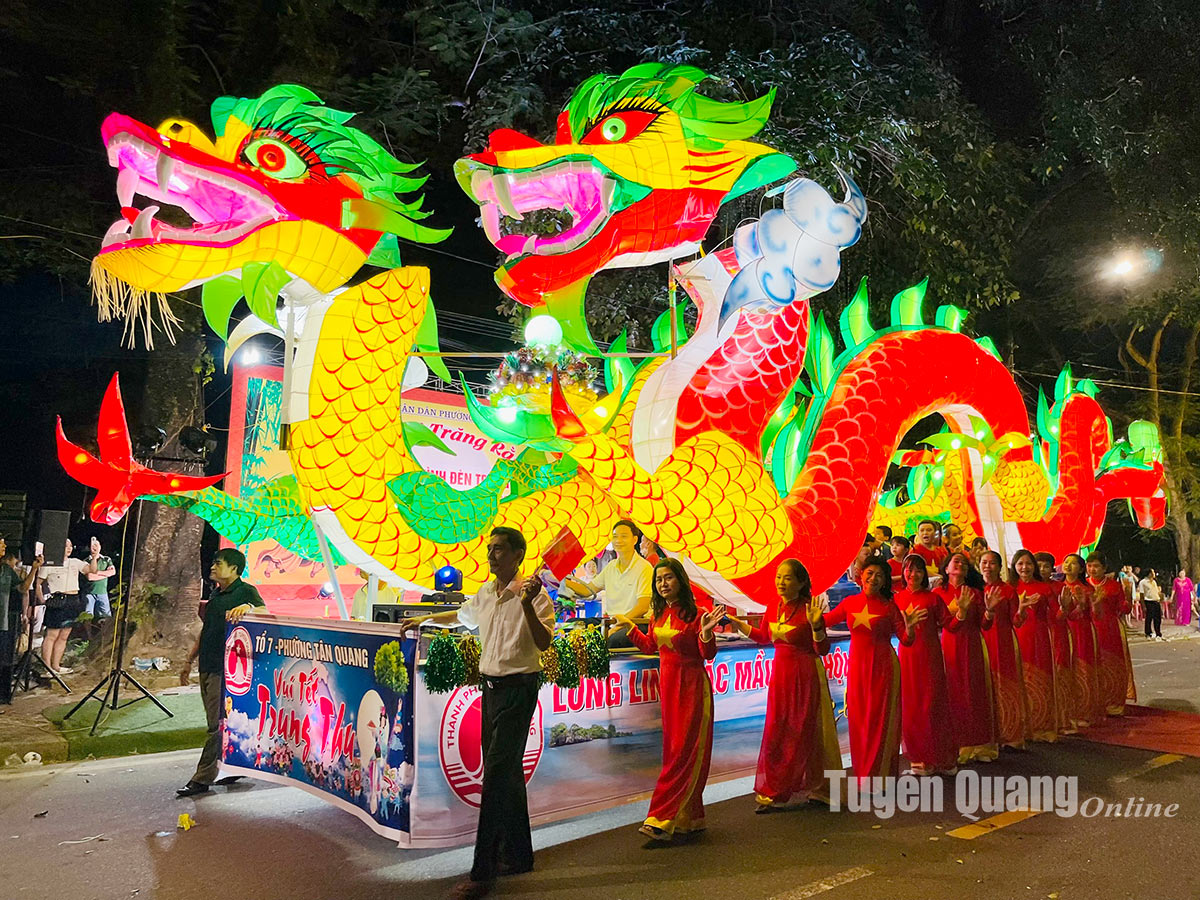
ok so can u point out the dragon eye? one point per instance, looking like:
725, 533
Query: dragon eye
613, 128
276, 159
619, 127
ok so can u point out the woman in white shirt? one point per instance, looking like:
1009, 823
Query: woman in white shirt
63, 605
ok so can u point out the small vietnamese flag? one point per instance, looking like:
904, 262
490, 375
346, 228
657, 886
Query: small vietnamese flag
563, 554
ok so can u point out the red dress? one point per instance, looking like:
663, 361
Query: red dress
800, 741
1004, 656
1037, 659
1067, 705
873, 685
687, 720
1113, 652
1083, 644
925, 702
969, 678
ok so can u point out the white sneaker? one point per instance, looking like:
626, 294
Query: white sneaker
67, 670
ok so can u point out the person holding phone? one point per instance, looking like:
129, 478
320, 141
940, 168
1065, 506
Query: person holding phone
515, 619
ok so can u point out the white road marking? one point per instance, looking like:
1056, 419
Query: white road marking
825, 884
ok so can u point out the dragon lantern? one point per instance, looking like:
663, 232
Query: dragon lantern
758, 440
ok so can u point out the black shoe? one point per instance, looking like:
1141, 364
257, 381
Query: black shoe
191, 789
471, 889
229, 779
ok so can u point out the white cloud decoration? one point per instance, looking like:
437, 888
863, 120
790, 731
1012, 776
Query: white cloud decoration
794, 252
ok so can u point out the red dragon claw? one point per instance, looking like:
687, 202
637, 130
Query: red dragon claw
116, 476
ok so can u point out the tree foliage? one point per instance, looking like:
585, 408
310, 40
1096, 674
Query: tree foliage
1112, 147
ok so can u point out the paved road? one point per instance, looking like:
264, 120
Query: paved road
265, 842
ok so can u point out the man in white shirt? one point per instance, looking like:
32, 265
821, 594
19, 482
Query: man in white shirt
1152, 601
625, 581
516, 623
63, 604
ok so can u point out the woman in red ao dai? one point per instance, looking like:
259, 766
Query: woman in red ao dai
1076, 596
873, 686
800, 740
968, 675
1033, 637
925, 703
683, 639
1066, 694
1109, 607
1007, 613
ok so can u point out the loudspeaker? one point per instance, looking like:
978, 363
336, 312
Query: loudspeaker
12, 518
51, 531
398, 612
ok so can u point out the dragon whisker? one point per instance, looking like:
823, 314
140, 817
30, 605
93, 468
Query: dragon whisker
117, 299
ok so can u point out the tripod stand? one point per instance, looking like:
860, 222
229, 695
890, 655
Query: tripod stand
115, 674
24, 670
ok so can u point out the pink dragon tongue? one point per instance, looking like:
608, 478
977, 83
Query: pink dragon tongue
511, 243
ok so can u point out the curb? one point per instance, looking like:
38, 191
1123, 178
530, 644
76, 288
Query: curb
20, 734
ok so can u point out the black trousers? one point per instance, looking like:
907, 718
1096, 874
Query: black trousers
1153, 615
8, 649
503, 832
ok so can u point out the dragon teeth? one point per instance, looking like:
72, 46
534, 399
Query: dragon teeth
608, 190
490, 214
117, 232
163, 169
141, 225
127, 182
503, 189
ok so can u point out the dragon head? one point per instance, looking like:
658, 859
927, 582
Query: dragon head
286, 185
640, 165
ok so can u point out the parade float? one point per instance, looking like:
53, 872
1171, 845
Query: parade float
766, 433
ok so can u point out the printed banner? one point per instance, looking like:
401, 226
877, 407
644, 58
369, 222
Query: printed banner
595, 746
471, 455
325, 708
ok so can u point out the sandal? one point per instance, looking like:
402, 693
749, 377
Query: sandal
655, 834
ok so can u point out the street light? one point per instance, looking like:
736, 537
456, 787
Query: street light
1132, 264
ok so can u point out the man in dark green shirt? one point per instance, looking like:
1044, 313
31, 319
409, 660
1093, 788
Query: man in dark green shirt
232, 599
96, 596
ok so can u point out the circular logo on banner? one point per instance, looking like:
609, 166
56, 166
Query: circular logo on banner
239, 662
460, 747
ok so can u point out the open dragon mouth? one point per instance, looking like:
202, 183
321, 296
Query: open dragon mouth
223, 209
550, 210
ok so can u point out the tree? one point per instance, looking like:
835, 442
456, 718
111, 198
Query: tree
1113, 128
